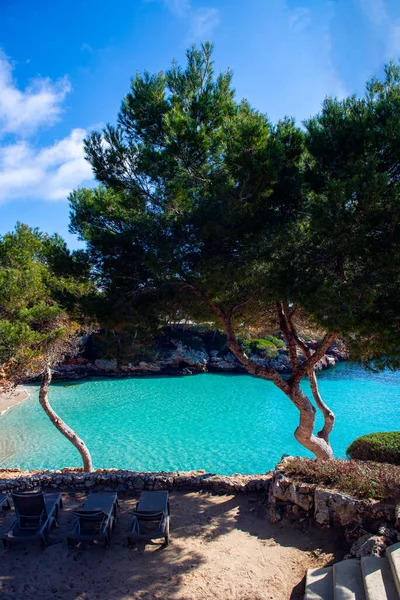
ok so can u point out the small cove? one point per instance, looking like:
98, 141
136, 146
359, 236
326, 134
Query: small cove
217, 422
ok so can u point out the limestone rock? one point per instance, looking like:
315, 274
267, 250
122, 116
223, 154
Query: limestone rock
335, 508
106, 365
369, 545
292, 491
397, 516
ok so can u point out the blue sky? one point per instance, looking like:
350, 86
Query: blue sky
65, 67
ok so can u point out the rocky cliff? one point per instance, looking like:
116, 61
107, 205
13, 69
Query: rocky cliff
183, 352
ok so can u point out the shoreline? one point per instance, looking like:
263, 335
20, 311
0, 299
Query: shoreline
12, 398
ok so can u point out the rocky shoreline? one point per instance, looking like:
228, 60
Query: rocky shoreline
180, 360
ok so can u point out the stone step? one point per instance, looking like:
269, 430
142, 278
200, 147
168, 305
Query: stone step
378, 579
347, 580
319, 584
393, 554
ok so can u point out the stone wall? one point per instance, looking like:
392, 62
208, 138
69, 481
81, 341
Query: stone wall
295, 499
288, 497
130, 481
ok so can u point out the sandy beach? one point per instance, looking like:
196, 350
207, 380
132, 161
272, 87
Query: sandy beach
222, 547
9, 399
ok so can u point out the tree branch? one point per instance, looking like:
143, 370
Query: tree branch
312, 360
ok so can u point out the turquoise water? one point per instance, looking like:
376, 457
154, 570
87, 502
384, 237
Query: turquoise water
220, 423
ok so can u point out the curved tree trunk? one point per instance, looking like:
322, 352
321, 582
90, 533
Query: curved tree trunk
329, 417
59, 423
304, 434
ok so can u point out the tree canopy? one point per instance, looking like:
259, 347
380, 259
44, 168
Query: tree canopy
206, 209
43, 292
41, 287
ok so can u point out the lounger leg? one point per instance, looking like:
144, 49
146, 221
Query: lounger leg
108, 538
167, 532
45, 538
6, 544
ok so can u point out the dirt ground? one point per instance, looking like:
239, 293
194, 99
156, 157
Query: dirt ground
222, 547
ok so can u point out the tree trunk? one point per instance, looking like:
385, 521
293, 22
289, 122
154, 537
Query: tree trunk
318, 445
329, 417
304, 432
59, 423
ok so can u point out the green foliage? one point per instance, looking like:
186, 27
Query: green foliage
353, 243
264, 347
204, 203
276, 341
37, 299
188, 180
380, 447
362, 479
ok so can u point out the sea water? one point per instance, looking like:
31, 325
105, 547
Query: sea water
222, 423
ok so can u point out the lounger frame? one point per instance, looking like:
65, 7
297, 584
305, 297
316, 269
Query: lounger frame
101, 521
143, 517
5, 502
37, 514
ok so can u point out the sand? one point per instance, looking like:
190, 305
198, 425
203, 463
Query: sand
9, 399
222, 547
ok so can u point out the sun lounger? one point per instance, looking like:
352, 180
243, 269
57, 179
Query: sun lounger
150, 518
4, 502
36, 514
95, 520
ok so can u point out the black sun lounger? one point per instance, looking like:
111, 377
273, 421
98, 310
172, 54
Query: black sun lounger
36, 514
150, 518
95, 520
4, 502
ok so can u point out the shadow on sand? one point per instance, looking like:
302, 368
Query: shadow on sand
222, 547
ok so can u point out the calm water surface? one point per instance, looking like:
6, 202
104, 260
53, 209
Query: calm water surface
221, 423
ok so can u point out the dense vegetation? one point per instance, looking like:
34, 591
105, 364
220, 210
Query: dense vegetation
207, 211
380, 447
44, 290
361, 479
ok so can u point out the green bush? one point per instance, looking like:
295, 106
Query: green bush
363, 479
262, 346
380, 447
276, 341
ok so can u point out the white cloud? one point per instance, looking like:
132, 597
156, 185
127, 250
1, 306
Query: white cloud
387, 28
28, 170
204, 20
39, 105
87, 48
48, 173
178, 7
393, 43
300, 19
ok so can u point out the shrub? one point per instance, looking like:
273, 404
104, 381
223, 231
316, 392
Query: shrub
262, 346
381, 447
359, 478
276, 341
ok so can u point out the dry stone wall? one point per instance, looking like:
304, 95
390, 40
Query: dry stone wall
293, 498
287, 497
130, 481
